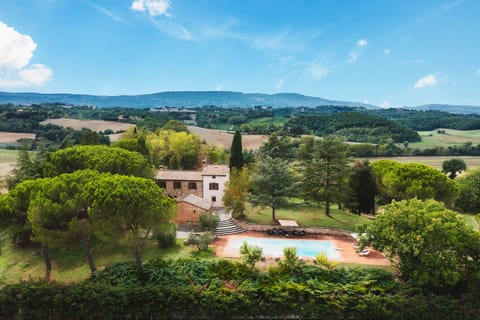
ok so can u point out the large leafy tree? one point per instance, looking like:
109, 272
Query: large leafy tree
324, 176
13, 212
236, 191
236, 152
175, 150
362, 188
29, 166
453, 166
277, 147
58, 214
431, 245
130, 205
469, 198
399, 181
272, 182
101, 158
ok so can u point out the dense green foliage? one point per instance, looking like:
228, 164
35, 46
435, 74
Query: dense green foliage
453, 166
469, 198
399, 181
354, 126
431, 245
362, 188
324, 176
236, 152
236, 192
220, 289
100, 158
431, 119
272, 182
208, 222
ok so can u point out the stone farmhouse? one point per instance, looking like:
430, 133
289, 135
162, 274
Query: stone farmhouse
195, 191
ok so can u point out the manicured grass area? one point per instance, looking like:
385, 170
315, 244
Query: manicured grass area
70, 265
308, 215
431, 139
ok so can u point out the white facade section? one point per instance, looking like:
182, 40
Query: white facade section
214, 180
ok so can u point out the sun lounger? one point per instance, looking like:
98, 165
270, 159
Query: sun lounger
364, 252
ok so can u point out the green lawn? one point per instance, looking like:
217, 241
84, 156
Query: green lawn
8, 156
431, 139
308, 215
70, 265
272, 120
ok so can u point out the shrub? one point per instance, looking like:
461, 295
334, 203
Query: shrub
201, 241
166, 235
322, 262
251, 254
208, 222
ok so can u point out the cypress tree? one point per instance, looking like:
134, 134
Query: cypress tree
236, 154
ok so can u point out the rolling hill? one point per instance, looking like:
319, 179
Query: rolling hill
178, 99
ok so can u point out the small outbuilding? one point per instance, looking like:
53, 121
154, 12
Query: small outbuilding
190, 208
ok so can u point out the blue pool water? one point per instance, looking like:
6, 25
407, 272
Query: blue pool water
305, 248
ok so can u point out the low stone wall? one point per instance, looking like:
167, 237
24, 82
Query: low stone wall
310, 230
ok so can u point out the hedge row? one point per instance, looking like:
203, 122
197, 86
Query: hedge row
225, 290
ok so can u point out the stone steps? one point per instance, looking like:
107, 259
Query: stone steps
228, 227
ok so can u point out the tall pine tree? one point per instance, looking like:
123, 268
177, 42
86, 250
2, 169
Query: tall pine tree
236, 154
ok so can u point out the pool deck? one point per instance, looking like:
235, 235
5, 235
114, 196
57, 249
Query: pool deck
344, 246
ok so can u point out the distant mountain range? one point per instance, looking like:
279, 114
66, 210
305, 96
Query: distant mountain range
179, 99
203, 98
462, 109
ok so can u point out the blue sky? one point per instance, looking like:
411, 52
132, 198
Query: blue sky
385, 52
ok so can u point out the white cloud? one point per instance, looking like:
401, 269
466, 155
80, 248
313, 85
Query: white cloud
353, 56
427, 81
478, 71
362, 42
16, 51
279, 84
357, 50
106, 12
317, 71
387, 51
218, 87
153, 7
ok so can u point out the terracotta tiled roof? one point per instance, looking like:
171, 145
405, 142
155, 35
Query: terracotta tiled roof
198, 202
216, 170
178, 175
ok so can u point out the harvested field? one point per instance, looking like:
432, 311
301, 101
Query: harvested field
223, 138
6, 137
8, 161
94, 125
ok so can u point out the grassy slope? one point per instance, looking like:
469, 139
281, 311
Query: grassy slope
431, 139
71, 265
309, 215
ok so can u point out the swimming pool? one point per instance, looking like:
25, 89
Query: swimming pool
305, 248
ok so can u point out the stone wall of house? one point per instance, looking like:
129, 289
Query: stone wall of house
188, 213
310, 230
184, 190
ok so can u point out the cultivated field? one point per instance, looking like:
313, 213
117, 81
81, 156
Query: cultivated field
8, 160
222, 138
431, 139
472, 162
94, 125
10, 137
